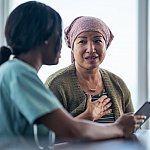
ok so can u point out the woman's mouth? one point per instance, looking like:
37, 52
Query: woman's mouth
91, 58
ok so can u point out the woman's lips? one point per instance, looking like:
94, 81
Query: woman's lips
91, 59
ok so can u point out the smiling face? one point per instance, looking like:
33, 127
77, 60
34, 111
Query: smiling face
89, 50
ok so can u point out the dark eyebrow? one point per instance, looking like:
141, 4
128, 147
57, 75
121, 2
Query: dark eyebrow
99, 36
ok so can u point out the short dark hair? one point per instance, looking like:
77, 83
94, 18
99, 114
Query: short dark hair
29, 25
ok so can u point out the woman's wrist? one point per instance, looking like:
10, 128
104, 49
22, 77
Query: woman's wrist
88, 115
85, 115
119, 130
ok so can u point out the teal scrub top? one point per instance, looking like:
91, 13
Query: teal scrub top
23, 99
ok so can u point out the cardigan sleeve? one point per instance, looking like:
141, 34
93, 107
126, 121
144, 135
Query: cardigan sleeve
128, 105
124, 93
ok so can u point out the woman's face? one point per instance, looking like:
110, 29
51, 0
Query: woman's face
53, 50
89, 50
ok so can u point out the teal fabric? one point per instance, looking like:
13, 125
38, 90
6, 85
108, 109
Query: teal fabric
23, 99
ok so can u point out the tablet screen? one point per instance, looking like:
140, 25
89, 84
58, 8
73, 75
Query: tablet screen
144, 110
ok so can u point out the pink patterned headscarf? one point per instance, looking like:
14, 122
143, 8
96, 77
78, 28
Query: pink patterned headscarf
87, 23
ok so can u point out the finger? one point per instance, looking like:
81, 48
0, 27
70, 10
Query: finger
102, 98
103, 102
106, 101
105, 112
140, 121
88, 97
107, 106
136, 126
140, 117
103, 106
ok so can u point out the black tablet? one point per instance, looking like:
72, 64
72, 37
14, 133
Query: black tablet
144, 110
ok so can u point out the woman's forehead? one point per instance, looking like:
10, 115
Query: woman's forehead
89, 33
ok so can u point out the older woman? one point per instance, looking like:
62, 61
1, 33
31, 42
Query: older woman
89, 38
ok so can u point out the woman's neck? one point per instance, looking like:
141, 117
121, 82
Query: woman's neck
90, 80
28, 58
88, 74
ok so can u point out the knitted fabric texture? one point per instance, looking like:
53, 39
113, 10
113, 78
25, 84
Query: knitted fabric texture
64, 84
84, 24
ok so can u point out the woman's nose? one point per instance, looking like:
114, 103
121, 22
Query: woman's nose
91, 48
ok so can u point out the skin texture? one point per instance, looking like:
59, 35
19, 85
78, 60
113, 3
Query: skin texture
86, 46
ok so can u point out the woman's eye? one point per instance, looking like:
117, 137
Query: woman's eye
98, 41
81, 41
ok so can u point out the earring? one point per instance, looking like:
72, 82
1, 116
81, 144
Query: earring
46, 42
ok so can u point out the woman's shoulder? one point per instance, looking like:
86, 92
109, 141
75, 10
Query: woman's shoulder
108, 74
16, 68
62, 74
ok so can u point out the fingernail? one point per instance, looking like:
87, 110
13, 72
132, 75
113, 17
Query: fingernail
142, 121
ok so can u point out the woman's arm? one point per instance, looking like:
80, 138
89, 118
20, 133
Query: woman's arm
68, 128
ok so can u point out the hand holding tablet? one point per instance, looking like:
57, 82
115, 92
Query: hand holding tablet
145, 111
